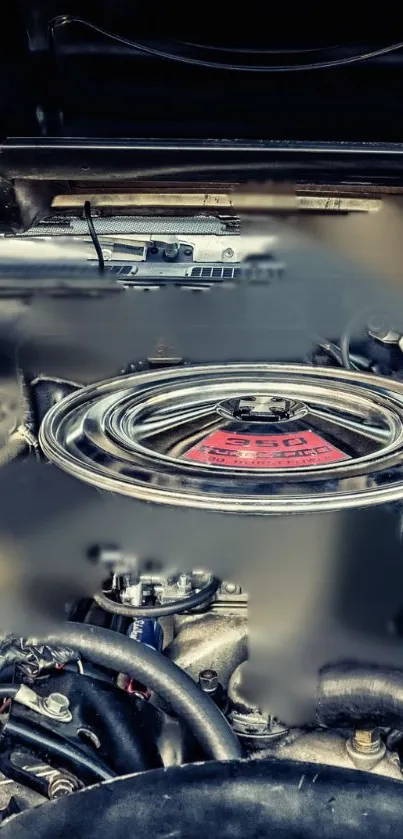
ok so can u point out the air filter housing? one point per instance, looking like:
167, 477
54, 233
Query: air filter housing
240, 438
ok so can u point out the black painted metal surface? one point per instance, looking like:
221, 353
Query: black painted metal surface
259, 799
181, 158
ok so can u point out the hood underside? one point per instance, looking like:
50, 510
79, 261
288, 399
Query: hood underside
110, 69
103, 92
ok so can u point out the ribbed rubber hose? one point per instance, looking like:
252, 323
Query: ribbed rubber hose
124, 655
358, 693
175, 608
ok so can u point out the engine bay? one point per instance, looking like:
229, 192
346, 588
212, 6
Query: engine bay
200, 578
201, 423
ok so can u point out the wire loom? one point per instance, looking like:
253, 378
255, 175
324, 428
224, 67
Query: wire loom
31, 659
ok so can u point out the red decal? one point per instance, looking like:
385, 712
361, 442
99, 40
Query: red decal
274, 451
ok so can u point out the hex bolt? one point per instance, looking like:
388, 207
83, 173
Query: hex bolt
366, 748
62, 785
184, 584
57, 704
171, 251
208, 681
367, 740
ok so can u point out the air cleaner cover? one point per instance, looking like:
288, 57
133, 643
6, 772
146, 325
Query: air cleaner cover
244, 438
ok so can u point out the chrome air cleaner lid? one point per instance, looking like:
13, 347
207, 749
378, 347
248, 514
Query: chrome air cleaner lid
245, 438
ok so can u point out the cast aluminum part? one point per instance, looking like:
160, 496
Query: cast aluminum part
132, 435
177, 586
364, 749
215, 639
166, 587
331, 748
132, 592
255, 726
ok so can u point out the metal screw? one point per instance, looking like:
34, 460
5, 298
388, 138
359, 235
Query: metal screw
57, 704
367, 740
208, 681
228, 253
231, 588
171, 251
184, 584
62, 785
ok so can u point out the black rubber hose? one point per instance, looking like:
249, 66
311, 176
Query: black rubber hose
175, 608
157, 672
134, 746
46, 743
345, 349
8, 691
360, 693
334, 352
89, 671
358, 322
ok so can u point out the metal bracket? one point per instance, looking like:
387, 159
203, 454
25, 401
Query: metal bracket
30, 699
